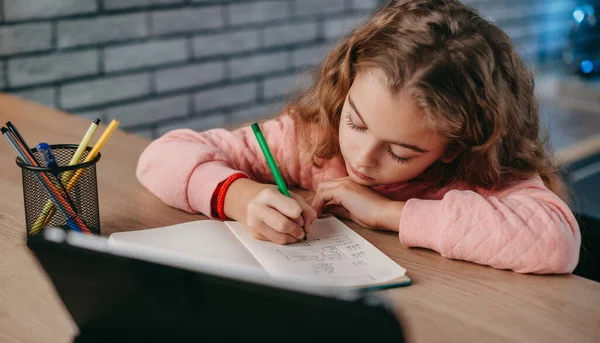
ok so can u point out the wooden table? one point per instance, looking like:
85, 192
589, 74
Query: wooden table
450, 301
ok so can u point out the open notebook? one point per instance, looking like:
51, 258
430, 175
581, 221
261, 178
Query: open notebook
333, 255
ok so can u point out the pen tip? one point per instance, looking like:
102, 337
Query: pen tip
4, 130
97, 121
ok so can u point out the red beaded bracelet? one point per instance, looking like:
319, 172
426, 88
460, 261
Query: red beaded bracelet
223, 191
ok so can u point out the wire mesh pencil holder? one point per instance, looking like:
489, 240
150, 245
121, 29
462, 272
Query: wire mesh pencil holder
43, 188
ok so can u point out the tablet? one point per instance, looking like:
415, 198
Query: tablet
117, 296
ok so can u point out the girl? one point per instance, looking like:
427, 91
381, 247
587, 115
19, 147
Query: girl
423, 120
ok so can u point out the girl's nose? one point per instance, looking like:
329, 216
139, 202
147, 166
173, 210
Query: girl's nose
367, 157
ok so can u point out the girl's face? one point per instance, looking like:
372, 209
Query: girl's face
383, 137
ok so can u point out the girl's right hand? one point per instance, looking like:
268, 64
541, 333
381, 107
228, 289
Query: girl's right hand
266, 213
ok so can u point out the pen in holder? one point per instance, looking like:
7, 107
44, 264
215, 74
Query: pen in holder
81, 184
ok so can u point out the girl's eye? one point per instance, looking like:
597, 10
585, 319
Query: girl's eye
354, 126
402, 160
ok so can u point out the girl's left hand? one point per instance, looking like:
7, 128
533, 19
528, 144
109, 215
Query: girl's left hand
347, 199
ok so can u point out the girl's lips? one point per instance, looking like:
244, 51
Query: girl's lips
362, 176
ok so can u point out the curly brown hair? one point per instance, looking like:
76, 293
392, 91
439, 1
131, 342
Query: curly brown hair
464, 76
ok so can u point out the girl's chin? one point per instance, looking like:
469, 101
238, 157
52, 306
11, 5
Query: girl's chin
361, 181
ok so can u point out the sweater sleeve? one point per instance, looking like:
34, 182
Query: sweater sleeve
525, 228
183, 168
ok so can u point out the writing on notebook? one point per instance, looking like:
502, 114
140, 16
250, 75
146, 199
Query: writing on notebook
334, 253
328, 253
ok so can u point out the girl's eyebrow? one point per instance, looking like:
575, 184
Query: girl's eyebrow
404, 145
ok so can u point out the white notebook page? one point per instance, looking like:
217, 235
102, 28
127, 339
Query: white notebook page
333, 254
206, 239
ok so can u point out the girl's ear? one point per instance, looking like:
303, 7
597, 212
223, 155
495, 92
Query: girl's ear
451, 154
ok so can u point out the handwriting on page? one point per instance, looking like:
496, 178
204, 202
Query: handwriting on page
320, 249
333, 253
329, 253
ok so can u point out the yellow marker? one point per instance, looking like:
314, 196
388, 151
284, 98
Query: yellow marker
84, 143
95, 150
48, 211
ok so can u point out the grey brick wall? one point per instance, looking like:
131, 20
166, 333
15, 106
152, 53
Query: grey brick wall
258, 12
53, 67
138, 55
25, 38
98, 30
104, 90
44, 95
2, 78
226, 43
190, 76
186, 19
163, 64
226, 96
29, 9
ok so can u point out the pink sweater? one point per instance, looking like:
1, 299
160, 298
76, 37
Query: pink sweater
525, 227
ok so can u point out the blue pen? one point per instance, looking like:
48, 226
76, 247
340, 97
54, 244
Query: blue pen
50, 161
47, 155
30, 160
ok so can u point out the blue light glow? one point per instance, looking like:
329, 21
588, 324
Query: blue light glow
586, 66
578, 15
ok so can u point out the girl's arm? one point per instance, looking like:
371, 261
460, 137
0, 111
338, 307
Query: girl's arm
526, 228
183, 168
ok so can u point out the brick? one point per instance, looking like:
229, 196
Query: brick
198, 123
366, 4
92, 115
225, 43
310, 56
290, 34
255, 113
101, 30
315, 7
31, 70
28, 9
104, 90
2, 85
278, 86
145, 54
148, 133
256, 12
150, 111
335, 28
120, 4
284, 85
258, 64
44, 96
25, 38
189, 76
186, 19
225, 96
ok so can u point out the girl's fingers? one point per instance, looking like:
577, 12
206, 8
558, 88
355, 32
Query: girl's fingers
287, 206
280, 223
309, 215
264, 231
338, 211
324, 197
257, 235
342, 212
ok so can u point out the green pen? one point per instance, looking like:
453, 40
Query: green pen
271, 162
